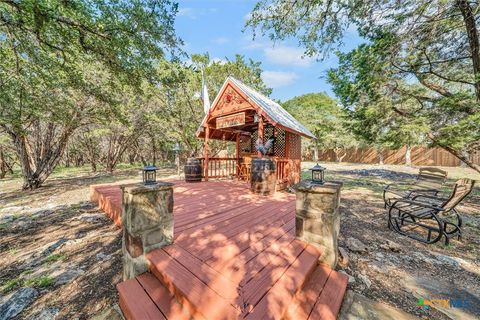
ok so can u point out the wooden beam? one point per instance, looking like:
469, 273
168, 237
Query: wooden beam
205, 153
237, 147
260, 132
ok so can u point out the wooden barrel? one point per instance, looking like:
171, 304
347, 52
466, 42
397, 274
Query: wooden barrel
263, 177
193, 170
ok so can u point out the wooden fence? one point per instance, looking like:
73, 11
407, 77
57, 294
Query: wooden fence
420, 156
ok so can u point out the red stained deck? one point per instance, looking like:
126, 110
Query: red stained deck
234, 256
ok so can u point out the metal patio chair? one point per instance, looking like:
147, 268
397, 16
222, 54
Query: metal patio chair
427, 217
428, 181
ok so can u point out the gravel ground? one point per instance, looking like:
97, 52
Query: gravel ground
56, 242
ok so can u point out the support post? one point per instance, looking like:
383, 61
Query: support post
317, 218
205, 153
237, 148
260, 132
147, 219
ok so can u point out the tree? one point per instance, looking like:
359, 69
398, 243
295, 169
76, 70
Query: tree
61, 60
426, 52
325, 119
180, 94
7, 156
147, 121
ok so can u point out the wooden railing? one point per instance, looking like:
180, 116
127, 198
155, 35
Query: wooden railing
227, 167
282, 167
220, 167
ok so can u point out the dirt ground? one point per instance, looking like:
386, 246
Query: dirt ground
55, 241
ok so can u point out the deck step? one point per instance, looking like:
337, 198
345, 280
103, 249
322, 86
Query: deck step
321, 296
287, 282
305, 290
204, 300
145, 298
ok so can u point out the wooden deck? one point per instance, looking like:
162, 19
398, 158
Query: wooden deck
234, 256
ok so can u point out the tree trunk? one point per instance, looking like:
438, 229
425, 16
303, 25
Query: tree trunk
380, 158
36, 168
3, 167
469, 20
338, 157
93, 165
408, 155
154, 150
315, 153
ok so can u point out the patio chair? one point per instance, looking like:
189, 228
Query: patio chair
429, 181
427, 217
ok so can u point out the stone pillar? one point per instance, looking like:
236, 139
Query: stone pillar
147, 218
317, 219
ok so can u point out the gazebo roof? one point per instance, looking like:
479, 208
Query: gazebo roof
272, 110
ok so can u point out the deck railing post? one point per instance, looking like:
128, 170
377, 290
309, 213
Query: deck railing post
205, 152
317, 219
147, 218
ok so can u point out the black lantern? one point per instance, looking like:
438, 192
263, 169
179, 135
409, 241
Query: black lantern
149, 175
318, 174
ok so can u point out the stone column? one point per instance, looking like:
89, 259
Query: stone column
147, 218
317, 218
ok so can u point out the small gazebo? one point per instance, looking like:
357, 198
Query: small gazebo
242, 115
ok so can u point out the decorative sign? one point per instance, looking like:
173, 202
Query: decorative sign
236, 119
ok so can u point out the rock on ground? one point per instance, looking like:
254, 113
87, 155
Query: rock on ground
14, 304
111, 313
351, 279
47, 314
356, 306
365, 280
91, 217
392, 246
356, 245
68, 276
343, 257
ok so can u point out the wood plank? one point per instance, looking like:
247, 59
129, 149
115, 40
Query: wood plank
212, 278
231, 227
305, 299
266, 278
189, 290
275, 302
165, 302
221, 216
266, 257
135, 302
252, 251
232, 242
330, 300
200, 215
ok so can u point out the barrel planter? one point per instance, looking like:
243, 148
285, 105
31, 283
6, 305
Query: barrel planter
193, 170
263, 176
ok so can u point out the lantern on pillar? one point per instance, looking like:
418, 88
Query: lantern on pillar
318, 174
149, 175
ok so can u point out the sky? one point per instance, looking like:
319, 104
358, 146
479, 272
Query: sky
215, 26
